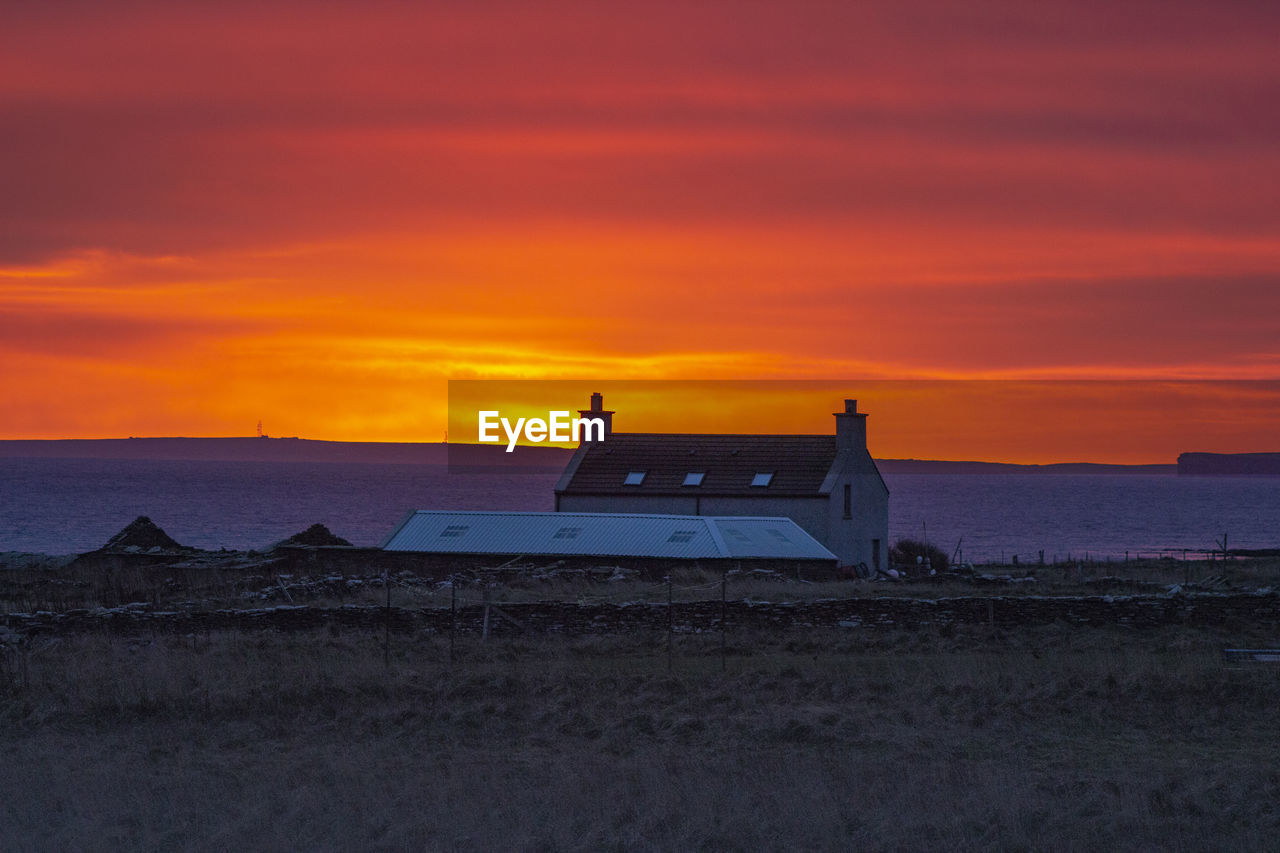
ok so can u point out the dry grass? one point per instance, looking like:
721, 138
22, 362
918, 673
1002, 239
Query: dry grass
1045, 738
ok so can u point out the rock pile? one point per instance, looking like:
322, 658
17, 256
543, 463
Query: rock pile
315, 535
142, 536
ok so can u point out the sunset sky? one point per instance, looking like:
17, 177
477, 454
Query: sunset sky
315, 214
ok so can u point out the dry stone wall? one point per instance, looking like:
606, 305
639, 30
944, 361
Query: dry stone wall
570, 618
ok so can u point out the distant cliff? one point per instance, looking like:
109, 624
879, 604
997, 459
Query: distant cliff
1229, 464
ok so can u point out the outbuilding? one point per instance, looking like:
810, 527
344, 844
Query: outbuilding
644, 541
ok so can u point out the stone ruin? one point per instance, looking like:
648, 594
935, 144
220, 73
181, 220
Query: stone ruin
314, 536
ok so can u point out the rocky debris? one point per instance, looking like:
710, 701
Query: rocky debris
285, 587
28, 560
316, 535
142, 536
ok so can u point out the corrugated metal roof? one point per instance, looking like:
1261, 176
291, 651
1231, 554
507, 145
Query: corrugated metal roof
682, 537
773, 537
798, 464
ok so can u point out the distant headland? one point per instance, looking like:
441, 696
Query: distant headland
940, 466
1229, 464
263, 449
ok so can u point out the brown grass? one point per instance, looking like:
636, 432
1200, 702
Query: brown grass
964, 739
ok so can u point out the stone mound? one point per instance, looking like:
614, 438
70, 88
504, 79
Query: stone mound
316, 534
142, 534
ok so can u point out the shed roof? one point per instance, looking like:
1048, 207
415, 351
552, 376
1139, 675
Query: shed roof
799, 464
685, 537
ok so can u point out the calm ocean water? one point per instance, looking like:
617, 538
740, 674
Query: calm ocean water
63, 506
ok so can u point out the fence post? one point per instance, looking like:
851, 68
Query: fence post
671, 622
484, 631
386, 620
724, 576
453, 613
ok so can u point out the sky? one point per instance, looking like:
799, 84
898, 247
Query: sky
315, 214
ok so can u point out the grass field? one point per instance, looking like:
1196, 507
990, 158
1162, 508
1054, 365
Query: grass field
961, 738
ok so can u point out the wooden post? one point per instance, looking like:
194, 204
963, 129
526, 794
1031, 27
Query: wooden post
484, 631
453, 613
386, 620
723, 611
671, 622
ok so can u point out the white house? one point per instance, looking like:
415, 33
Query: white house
828, 484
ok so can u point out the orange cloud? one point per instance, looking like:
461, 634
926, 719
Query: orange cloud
215, 213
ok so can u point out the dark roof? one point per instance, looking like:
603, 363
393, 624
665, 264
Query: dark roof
799, 464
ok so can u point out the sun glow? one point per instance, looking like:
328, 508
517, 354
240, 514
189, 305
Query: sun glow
211, 217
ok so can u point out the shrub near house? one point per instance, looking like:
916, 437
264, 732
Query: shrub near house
905, 552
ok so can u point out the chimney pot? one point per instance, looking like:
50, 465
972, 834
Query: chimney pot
851, 406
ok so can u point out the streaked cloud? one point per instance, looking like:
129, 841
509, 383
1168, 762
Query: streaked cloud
251, 207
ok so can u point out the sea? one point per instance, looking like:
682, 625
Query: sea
67, 506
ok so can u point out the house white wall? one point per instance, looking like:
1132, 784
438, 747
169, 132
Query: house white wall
861, 537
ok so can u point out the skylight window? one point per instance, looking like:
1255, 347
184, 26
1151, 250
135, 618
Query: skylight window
762, 479
737, 534
567, 533
453, 531
682, 535
635, 478
694, 478
778, 534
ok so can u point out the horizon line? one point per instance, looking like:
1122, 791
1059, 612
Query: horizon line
570, 449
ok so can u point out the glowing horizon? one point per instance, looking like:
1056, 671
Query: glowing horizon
215, 214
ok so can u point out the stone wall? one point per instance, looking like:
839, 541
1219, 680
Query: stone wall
569, 618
